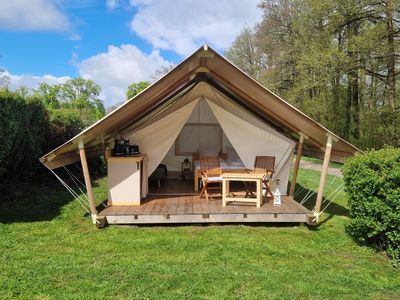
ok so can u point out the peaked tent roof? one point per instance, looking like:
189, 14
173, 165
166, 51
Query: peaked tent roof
204, 65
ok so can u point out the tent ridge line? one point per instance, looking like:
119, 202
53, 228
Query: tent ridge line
178, 86
166, 102
278, 119
245, 105
256, 102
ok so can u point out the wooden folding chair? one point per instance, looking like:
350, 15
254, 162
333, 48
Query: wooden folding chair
210, 173
266, 166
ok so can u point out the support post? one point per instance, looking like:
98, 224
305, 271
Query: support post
88, 184
324, 172
296, 164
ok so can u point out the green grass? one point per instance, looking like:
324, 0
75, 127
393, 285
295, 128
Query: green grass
50, 250
320, 161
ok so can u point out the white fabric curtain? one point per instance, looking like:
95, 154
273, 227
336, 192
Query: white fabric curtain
250, 137
157, 138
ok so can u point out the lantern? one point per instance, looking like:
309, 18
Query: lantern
186, 169
277, 197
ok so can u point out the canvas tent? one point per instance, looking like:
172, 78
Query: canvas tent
207, 89
203, 105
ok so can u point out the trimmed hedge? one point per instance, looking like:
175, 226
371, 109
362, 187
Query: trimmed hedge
24, 127
372, 183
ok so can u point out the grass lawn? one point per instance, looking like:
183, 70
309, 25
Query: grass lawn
50, 250
320, 162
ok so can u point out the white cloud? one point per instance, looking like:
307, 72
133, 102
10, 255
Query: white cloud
120, 66
32, 15
113, 70
112, 4
32, 81
75, 37
184, 25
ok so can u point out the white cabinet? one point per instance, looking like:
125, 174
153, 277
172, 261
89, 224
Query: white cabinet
127, 180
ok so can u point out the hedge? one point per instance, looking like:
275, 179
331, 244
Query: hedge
24, 127
27, 131
372, 183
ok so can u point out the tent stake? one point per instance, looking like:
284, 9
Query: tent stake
324, 172
88, 184
296, 164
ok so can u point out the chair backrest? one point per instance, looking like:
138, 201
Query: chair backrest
264, 164
210, 165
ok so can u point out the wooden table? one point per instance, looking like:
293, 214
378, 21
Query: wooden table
255, 177
229, 169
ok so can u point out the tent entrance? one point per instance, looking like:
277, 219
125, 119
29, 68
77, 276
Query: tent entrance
201, 135
206, 122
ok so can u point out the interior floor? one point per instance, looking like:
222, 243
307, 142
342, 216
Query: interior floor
169, 186
176, 186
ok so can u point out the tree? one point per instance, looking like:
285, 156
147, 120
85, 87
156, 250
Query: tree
247, 54
83, 95
164, 69
76, 96
135, 88
4, 79
336, 60
49, 94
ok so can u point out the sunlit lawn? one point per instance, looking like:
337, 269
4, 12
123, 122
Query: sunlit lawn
50, 250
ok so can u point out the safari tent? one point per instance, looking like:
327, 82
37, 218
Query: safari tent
204, 107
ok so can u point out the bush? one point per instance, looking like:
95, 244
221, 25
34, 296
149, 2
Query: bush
64, 125
24, 126
373, 185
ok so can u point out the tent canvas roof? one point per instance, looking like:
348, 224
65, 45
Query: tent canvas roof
203, 66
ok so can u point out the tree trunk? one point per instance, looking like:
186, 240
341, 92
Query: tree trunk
391, 64
336, 112
352, 119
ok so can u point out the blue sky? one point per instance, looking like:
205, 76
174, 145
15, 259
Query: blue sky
112, 42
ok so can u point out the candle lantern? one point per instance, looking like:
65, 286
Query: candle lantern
186, 169
277, 195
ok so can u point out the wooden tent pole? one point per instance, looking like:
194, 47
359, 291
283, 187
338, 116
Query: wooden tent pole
296, 164
88, 183
324, 172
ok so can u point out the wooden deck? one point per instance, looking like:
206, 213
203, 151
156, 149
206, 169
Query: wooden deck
192, 209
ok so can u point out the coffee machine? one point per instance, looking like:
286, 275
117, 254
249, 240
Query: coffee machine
123, 148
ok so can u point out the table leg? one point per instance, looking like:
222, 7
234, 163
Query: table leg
224, 181
259, 193
196, 180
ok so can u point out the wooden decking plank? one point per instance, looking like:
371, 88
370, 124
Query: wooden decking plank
298, 205
181, 205
174, 205
150, 204
204, 206
107, 211
196, 205
142, 206
165, 205
214, 208
191, 207
156, 208
133, 210
117, 209
123, 210
188, 205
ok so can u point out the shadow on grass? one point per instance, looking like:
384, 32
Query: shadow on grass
332, 210
30, 202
